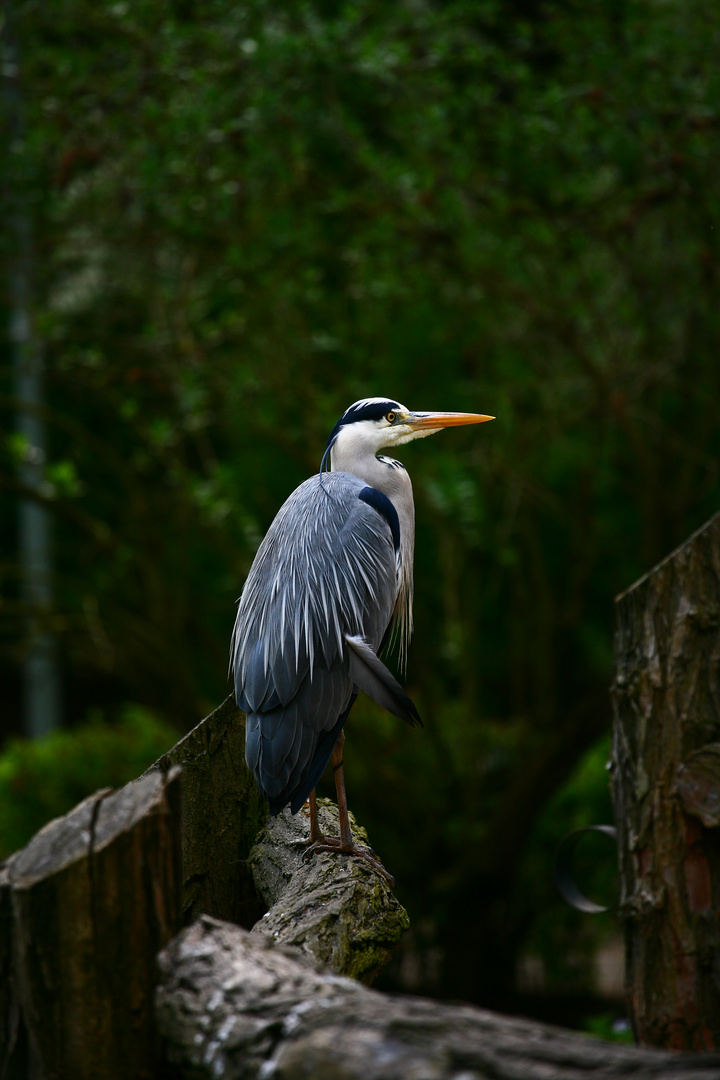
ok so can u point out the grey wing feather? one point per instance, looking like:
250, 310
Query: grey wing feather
370, 674
325, 572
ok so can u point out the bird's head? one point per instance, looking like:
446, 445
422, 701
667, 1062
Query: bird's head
372, 424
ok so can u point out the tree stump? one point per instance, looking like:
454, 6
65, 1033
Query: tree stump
666, 792
87, 905
84, 909
333, 907
222, 814
233, 1005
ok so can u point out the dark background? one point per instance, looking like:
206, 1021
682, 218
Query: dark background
234, 220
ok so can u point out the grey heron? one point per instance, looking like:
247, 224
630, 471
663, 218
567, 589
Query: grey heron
332, 578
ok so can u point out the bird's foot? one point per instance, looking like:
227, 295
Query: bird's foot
334, 843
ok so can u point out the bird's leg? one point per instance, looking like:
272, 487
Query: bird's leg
317, 836
346, 840
315, 833
345, 843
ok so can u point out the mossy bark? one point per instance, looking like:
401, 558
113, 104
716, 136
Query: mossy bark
666, 790
333, 907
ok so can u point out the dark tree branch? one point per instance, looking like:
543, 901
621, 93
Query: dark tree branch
234, 1006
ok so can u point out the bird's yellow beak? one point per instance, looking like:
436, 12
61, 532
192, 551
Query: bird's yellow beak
437, 420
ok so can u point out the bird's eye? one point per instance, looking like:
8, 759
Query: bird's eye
390, 417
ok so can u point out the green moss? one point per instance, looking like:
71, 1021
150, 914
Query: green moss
341, 911
371, 952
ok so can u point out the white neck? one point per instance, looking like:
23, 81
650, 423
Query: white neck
351, 453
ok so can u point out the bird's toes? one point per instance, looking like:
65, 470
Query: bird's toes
377, 866
333, 843
322, 843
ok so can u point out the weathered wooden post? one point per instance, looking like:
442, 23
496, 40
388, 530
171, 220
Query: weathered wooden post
88, 903
222, 814
84, 908
666, 791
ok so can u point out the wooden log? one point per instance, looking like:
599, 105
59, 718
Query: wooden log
222, 815
84, 908
234, 1005
333, 907
666, 791
13, 1057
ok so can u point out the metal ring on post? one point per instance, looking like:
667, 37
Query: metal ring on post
564, 878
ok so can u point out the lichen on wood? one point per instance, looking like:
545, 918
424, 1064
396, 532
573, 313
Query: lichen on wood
334, 907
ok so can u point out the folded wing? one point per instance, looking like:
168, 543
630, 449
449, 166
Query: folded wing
315, 608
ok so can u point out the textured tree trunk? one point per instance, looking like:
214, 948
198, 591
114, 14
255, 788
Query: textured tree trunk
84, 908
232, 1005
666, 790
222, 815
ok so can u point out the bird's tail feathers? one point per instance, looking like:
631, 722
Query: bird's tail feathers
370, 674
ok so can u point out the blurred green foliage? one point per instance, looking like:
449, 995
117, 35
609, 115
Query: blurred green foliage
43, 779
567, 939
607, 1026
247, 216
